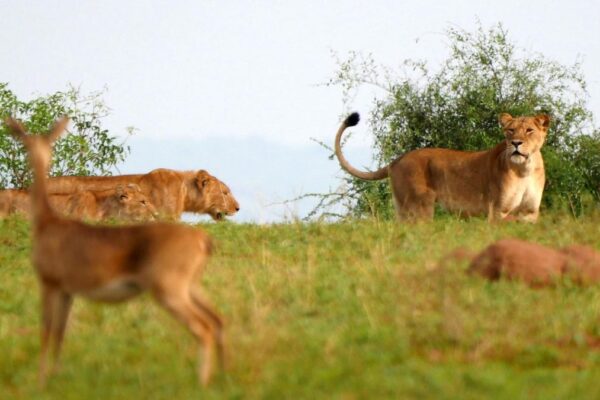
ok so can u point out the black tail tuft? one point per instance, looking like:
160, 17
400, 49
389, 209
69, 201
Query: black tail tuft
352, 119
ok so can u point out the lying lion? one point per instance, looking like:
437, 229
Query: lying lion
123, 203
172, 192
508, 179
14, 201
535, 264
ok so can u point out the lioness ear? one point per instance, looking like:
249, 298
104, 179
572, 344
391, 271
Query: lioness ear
58, 128
202, 178
543, 120
120, 191
504, 119
15, 128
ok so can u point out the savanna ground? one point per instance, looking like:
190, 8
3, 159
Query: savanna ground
347, 310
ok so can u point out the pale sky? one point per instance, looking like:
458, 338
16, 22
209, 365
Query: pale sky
232, 86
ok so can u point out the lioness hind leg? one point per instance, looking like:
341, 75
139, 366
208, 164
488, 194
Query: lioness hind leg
414, 204
403, 205
426, 206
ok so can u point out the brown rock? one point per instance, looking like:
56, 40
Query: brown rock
583, 264
535, 264
514, 259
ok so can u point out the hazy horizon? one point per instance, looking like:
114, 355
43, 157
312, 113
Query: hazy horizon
236, 88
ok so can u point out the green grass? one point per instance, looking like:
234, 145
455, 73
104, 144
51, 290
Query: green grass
337, 311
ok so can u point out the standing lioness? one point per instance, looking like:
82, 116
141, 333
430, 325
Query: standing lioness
508, 179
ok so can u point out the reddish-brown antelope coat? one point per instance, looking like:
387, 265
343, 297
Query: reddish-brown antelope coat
113, 263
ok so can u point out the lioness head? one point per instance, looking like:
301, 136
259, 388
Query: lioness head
133, 204
216, 196
524, 136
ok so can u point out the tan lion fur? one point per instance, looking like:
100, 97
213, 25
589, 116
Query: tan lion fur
123, 203
496, 182
171, 192
113, 263
14, 201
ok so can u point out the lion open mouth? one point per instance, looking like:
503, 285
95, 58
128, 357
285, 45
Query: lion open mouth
219, 215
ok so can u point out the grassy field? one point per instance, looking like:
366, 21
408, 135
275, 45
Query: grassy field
338, 311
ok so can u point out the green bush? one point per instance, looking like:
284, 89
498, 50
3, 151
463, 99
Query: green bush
89, 149
457, 107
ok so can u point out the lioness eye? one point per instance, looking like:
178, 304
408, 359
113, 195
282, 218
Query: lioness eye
511, 131
529, 130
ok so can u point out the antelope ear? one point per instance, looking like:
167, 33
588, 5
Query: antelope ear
504, 119
15, 128
543, 120
59, 127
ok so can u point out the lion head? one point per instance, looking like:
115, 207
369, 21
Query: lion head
217, 199
524, 136
133, 204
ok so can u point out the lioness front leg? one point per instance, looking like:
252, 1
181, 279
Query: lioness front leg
529, 216
495, 214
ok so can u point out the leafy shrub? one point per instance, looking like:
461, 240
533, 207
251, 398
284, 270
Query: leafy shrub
89, 149
458, 106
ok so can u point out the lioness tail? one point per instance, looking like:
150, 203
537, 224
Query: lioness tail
381, 173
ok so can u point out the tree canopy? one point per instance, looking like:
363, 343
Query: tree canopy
89, 149
457, 105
